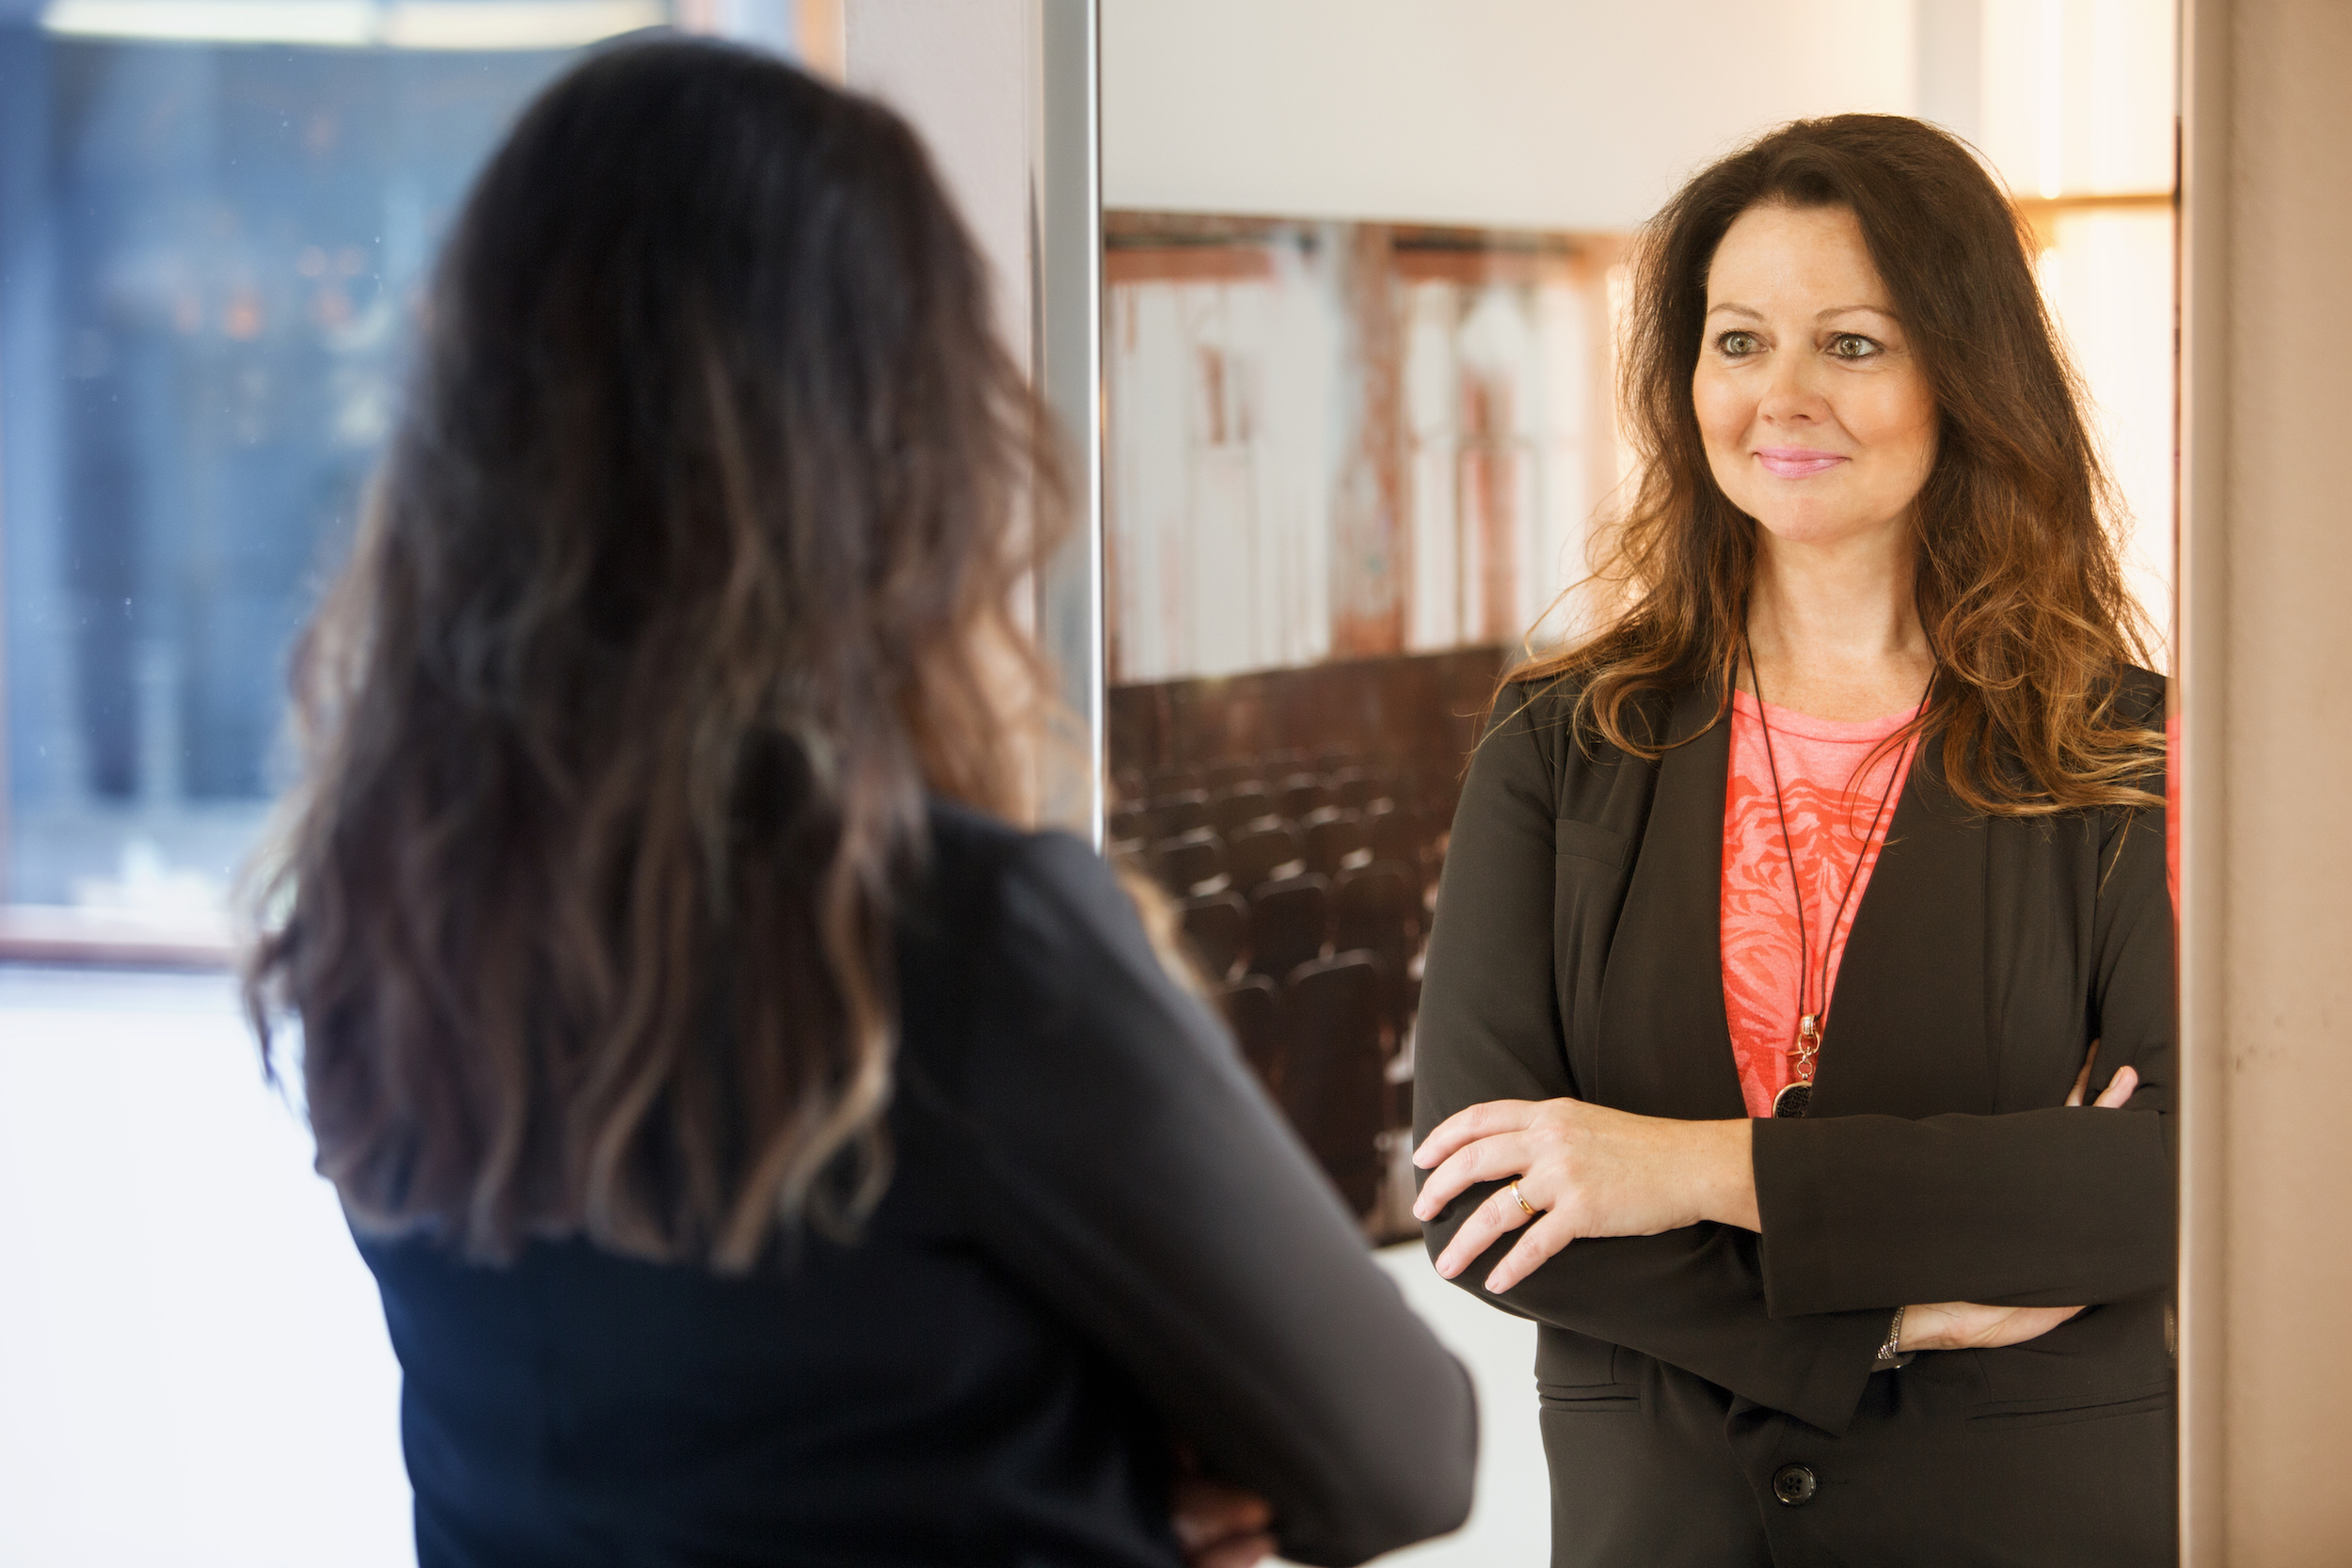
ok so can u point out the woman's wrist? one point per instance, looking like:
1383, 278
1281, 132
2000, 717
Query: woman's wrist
1728, 1160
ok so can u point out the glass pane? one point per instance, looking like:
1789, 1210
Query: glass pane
215, 221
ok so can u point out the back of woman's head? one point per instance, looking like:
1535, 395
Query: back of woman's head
684, 581
2016, 575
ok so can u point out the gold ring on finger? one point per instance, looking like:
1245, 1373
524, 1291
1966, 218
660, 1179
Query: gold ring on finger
1522, 1197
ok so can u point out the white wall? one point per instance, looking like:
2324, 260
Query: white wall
194, 1369
1510, 1522
958, 71
1546, 113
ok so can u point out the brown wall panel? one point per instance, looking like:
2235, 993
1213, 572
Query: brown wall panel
2268, 983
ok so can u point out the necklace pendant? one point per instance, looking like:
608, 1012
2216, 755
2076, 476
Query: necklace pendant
1793, 1099
1809, 1045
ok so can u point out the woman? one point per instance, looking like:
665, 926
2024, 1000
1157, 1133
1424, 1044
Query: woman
767, 1153
1781, 913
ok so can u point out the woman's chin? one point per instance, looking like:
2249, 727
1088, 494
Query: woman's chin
1812, 527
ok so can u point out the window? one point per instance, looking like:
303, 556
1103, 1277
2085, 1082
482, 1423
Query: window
215, 221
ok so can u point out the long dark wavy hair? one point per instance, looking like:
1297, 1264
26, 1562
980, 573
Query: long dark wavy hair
688, 574
2016, 580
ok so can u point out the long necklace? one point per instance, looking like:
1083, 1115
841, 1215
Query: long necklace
1795, 1098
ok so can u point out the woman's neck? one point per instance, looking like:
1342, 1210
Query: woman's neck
1834, 629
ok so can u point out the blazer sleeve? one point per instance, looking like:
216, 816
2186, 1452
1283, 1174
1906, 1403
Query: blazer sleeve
1489, 1029
1134, 1174
2045, 1208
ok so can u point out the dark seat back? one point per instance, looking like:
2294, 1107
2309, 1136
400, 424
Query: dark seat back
1238, 805
1188, 860
1218, 926
1331, 835
1287, 924
1259, 851
1333, 1072
1250, 1009
1394, 831
1378, 910
1300, 794
1180, 812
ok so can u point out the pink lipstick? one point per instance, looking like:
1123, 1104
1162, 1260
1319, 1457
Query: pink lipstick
1796, 461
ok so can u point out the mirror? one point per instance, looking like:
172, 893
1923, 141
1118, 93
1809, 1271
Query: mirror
1363, 271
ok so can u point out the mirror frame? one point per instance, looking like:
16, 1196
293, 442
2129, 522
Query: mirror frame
2200, 626
1066, 360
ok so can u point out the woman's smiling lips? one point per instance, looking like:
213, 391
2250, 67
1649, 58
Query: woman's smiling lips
1796, 461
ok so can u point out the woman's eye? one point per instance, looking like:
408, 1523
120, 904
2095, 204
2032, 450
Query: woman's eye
1852, 345
1737, 344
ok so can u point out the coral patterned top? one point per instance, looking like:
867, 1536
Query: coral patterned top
1829, 811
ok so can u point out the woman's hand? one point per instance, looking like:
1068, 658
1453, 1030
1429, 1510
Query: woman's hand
1583, 1170
2118, 1087
1218, 1525
1966, 1324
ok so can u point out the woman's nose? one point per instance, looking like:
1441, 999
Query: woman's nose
1792, 394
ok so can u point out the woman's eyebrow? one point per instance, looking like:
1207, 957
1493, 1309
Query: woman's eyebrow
1736, 309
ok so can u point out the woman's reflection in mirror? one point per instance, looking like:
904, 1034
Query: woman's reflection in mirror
1794, 913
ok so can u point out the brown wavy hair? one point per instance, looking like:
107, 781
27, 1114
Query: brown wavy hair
687, 575
2016, 578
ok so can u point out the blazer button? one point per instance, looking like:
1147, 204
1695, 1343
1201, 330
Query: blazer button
1794, 1484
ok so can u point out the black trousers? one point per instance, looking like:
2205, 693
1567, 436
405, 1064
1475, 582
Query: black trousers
1666, 1470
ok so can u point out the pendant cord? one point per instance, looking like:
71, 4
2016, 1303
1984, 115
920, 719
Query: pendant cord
1789, 850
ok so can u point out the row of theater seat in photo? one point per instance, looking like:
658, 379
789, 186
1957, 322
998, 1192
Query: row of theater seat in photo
1282, 923
1329, 841
1322, 1041
1334, 767
1228, 807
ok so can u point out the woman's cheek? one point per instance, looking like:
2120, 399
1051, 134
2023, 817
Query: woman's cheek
1722, 417
1899, 422
1722, 425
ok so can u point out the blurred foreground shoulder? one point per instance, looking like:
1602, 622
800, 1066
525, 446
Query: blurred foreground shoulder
1133, 1173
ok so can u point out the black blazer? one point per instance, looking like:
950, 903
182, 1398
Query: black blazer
1098, 1238
1576, 951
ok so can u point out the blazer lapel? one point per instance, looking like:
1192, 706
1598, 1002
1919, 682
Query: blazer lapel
1906, 1034
1665, 1047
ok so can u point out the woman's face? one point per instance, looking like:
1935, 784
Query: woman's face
1818, 421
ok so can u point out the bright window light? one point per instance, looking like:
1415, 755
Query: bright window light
2052, 106
347, 23
456, 24
514, 23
